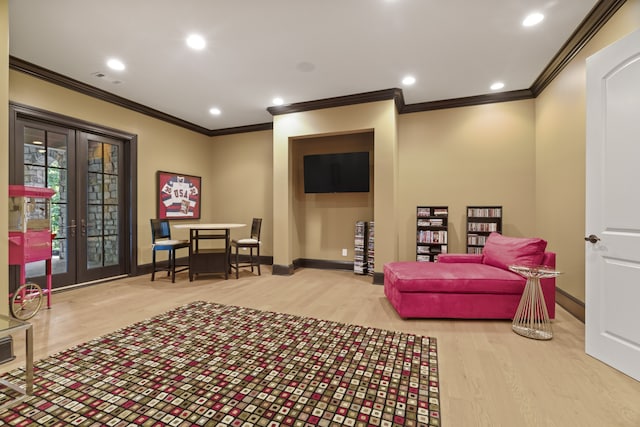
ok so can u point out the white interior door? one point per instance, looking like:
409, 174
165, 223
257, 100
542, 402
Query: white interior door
613, 206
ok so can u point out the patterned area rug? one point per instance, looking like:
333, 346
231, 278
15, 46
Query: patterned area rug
208, 364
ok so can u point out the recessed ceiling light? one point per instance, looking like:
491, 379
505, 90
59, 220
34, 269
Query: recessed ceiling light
408, 80
277, 101
36, 142
115, 64
497, 86
533, 19
215, 111
196, 42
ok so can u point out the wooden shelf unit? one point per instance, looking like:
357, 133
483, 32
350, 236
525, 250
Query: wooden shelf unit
432, 223
360, 261
371, 253
482, 221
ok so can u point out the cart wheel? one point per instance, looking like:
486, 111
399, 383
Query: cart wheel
26, 301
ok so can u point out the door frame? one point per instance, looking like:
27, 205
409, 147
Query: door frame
20, 111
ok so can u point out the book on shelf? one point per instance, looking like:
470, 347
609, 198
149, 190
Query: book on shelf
475, 239
424, 212
431, 222
484, 212
437, 249
482, 226
432, 236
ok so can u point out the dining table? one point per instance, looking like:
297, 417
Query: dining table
209, 259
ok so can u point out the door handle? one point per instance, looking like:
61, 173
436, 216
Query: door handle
83, 227
72, 228
592, 239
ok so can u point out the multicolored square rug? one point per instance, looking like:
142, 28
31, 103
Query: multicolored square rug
207, 364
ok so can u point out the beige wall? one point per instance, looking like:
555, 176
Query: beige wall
480, 155
325, 223
161, 146
241, 179
560, 154
4, 148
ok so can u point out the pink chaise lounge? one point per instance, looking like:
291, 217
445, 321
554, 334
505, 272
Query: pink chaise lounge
469, 286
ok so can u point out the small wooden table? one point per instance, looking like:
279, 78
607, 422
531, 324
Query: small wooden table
209, 260
532, 318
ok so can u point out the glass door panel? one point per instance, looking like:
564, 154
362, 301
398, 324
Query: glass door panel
58, 180
102, 223
45, 165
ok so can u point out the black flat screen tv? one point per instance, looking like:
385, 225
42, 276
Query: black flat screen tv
336, 173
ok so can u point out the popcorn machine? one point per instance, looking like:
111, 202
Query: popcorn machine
30, 240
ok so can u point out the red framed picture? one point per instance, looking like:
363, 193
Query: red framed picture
178, 196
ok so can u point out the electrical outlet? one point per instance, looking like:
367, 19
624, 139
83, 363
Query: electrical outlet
344, 252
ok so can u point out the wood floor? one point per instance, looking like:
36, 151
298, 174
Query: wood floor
489, 376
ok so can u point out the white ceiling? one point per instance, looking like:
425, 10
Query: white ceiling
299, 50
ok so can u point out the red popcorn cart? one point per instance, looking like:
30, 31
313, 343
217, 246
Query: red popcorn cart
30, 240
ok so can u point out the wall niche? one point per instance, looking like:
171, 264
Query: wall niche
325, 221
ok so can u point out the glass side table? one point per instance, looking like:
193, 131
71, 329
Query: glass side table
10, 326
532, 318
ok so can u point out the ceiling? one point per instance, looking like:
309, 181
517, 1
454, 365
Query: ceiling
298, 50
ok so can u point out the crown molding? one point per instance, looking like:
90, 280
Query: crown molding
75, 85
597, 17
338, 101
398, 97
588, 28
514, 95
241, 129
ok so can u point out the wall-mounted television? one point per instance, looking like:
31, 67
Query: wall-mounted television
336, 173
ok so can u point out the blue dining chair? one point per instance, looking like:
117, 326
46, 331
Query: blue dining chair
161, 241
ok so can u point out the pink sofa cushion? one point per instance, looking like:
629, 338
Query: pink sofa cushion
463, 278
502, 251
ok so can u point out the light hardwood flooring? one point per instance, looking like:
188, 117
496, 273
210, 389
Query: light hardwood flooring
489, 376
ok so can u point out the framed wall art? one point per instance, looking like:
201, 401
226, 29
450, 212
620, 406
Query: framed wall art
179, 196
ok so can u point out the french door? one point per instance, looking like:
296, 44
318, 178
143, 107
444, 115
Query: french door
88, 211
